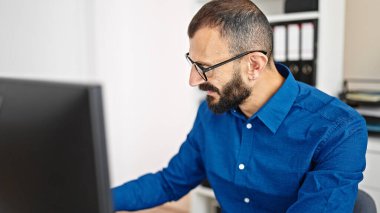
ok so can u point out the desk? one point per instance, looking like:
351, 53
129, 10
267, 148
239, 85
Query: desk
160, 209
180, 206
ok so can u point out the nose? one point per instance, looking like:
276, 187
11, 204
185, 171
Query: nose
195, 79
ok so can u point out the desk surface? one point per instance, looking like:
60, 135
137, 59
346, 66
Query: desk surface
161, 209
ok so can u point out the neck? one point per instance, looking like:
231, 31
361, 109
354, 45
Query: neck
263, 89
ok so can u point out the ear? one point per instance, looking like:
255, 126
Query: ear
256, 64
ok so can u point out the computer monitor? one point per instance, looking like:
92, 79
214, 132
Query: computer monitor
52, 148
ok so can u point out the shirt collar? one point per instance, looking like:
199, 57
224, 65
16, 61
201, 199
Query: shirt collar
278, 106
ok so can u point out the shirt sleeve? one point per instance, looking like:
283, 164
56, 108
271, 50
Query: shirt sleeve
184, 172
332, 185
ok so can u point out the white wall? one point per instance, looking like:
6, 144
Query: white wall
271, 7
140, 47
362, 45
46, 39
134, 48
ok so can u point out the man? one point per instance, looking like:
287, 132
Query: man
265, 142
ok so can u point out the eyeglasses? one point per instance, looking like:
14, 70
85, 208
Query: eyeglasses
202, 70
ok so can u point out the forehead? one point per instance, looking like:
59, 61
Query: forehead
207, 43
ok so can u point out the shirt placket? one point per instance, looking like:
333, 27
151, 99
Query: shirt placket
243, 165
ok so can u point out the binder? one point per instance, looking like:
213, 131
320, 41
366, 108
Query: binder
294, 44
308, 44
307, 51
279, 43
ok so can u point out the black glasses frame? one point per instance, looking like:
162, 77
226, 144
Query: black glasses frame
202, 70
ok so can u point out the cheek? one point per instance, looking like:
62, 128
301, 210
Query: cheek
222, 77
216, 80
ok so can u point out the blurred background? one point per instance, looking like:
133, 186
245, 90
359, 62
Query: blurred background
135, 49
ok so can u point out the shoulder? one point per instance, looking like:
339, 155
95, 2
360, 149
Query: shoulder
328, 114
324, 106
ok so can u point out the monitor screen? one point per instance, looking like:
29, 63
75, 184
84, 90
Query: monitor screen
52, 148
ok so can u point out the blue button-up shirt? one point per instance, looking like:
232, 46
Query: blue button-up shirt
303, 151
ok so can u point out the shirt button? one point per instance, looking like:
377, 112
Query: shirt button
249, 126
241, 166
246, 200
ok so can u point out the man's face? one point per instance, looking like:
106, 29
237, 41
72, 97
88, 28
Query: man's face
231, 95
225, 87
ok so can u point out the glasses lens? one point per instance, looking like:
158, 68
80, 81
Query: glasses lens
200, 72
188, 60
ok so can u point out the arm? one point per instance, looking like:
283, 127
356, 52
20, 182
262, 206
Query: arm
332, 184
184, 172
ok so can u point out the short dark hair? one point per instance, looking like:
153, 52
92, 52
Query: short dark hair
240, 22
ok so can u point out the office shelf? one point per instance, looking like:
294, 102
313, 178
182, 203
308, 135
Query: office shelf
205, 191
289, 17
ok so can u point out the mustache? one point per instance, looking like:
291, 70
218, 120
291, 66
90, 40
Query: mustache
208, 87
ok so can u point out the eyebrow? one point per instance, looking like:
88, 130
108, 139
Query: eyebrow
201, 62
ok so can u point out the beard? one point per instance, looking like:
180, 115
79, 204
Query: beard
234, 93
